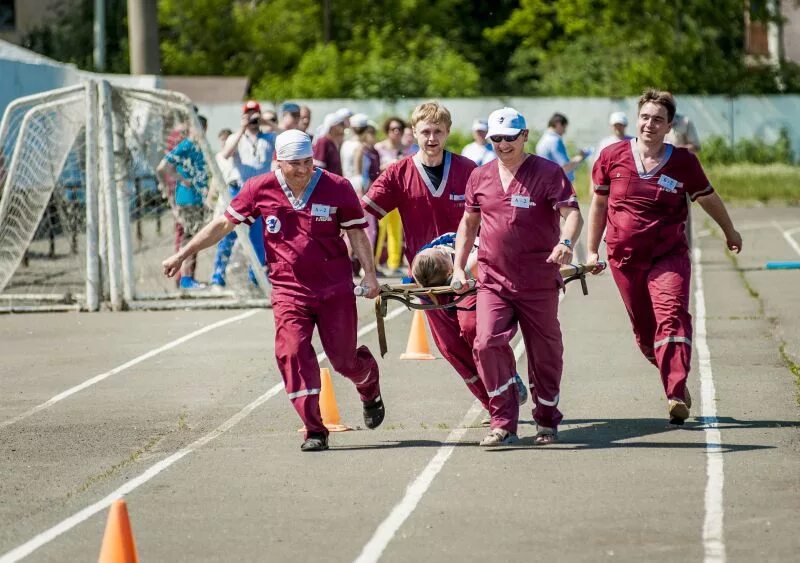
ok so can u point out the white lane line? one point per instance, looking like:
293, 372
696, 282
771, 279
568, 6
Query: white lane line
713, 532
787, 234
375, 547
383, 535
65, 525
139, 359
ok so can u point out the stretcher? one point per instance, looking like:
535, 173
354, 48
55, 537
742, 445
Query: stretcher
446, 297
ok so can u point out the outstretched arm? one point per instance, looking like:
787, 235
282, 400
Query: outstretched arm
713, 205
209, 235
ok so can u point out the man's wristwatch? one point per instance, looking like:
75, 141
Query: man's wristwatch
566, 242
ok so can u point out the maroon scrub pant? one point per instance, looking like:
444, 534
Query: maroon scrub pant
537, 315
453, 332
336, 320
657, 300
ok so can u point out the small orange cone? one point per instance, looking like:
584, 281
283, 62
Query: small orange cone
327, 404
118, 545
417, 347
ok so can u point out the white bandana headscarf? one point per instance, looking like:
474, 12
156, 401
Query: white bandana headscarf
293, 145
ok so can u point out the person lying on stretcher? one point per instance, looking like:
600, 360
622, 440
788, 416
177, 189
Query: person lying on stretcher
433, 267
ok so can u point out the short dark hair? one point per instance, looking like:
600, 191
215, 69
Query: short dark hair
225, 131
661, 98
558, 119
390, 120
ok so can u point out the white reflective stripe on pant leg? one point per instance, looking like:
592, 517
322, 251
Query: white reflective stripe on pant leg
671, 339
472, 379
552, 403
303, 393
366, 378
502, 388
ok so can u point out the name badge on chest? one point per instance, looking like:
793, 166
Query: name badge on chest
667, 183
522, 201
321, 212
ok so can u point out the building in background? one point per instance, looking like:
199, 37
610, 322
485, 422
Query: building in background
20, 17
774, 41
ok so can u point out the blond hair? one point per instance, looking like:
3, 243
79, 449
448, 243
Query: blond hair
433, 112
431, 268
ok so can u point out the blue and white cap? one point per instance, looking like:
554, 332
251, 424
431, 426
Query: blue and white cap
506, 121
293, 145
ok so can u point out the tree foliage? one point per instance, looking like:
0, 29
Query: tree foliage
429, 48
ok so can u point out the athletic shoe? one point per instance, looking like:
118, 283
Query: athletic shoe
191, 283
678, 411
499, 437
218, 280
545, 435
522, 389
374, 412
315, 443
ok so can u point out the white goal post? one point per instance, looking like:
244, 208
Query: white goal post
84, 222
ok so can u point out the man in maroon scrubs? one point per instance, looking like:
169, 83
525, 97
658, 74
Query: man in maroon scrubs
428, 190
304, 210
640, 201
517, 201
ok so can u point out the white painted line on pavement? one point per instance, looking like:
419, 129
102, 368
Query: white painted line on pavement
386, 530
375, 547
787, 234
713, 532
139, 359
65, 525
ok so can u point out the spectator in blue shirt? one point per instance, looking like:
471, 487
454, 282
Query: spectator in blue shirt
551, 146
187, 163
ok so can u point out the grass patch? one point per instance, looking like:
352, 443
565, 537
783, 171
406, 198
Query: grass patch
775, 183
116, 467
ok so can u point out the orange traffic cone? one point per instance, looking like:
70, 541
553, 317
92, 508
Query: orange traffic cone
327, 404
118, 545
417, 347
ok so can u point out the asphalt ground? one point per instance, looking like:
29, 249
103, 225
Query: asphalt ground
202, 441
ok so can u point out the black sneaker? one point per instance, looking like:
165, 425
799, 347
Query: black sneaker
315, 443
374, 412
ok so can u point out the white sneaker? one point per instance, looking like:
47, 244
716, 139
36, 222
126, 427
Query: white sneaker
499, 437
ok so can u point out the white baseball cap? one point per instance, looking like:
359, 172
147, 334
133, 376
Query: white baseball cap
344, 113
618, 118
359, 120
480, 125
506, 121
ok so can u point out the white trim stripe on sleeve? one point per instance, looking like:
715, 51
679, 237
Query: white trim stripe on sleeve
303, 393
701, 193
602, 189
374, 206
235, 214
572, 199
669, 339
359, 221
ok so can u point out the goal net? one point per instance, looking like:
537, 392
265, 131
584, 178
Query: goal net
84, 219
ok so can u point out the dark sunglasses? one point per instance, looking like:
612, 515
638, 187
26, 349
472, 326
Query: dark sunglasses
506, 138
395, 128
